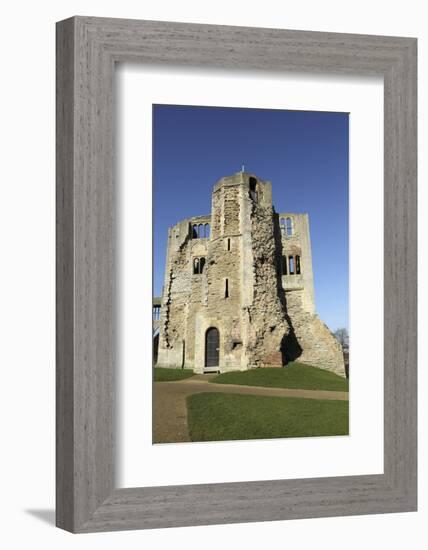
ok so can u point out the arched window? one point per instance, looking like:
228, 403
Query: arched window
288, 226
297, 265
282, 225
195, 232
201, 265
284, 265
156, 312
207, 230
200, 231
291, 264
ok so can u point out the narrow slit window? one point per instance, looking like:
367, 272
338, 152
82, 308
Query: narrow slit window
297, 265
226, 288
284, 265
228, 244
291, 264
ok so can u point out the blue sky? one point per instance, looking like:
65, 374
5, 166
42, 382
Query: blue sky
305, 154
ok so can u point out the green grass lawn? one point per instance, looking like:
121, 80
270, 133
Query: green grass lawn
223, 417
168, 375
294, 375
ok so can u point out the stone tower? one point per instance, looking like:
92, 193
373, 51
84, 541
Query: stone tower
238, 290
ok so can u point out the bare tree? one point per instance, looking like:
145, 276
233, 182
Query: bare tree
342, 337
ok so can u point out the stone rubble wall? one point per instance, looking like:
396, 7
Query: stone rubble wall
176, 297
268, 324
318, 345
280, 320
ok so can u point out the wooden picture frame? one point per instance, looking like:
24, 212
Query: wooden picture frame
87, 50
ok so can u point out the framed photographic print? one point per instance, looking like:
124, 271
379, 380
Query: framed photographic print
236, 274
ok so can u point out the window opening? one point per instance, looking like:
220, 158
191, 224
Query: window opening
195, 266
284, 265
253, 189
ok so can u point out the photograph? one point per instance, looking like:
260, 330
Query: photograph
250, 273
210, 263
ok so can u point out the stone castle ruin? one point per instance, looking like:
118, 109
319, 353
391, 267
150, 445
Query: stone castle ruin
238, 290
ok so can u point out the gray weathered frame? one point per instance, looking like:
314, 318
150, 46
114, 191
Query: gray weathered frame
87, 50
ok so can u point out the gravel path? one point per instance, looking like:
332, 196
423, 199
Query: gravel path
170, 410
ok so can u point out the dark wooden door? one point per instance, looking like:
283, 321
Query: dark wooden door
212, 346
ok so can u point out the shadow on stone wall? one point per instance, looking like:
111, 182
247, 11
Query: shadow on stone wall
290, 347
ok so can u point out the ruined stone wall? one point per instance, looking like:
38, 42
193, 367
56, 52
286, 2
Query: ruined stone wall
309, 341
317, 345
175, 297
299, 244
217, 211
184, 293
264, 317
267, 324
197, 298
223, 299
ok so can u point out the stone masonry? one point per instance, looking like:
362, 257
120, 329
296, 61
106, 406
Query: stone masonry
238, 290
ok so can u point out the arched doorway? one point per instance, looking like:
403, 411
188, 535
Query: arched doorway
212, 348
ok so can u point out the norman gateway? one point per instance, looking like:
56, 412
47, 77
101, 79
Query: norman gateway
238, 290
